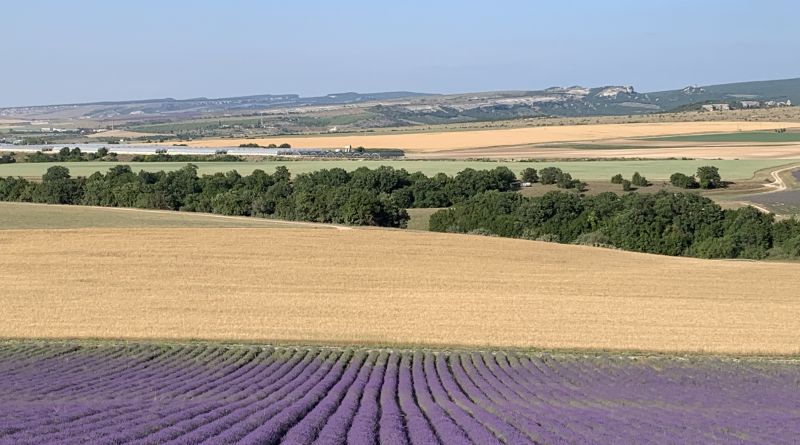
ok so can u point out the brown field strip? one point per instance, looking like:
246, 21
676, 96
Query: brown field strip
387, 287
455, 140
637, 149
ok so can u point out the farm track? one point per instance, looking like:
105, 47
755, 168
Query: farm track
143, 393
778, 185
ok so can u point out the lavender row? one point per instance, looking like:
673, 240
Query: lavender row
143, 393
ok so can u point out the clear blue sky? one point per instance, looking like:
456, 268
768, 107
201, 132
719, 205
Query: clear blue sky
61, 52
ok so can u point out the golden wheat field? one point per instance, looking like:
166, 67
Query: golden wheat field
455, 140
386, 287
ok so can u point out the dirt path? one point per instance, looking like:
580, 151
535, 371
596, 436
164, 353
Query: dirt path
778, 185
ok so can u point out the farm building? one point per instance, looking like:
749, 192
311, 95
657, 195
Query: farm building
749, 103
716, 107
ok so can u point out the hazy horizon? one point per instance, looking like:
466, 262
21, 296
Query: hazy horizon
95, 51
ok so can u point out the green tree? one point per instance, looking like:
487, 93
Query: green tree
550, 175
530, 175
709, 177
57, 187
617, 179
564, 181
683, 181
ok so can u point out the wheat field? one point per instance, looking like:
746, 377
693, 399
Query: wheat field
392, 287
456, 140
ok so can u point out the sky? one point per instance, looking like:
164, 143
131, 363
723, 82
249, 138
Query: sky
81, 51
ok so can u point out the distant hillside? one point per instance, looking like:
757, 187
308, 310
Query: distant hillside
768, 90
578, 101
290, 113
187, 108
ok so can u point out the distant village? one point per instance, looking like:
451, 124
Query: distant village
745, 104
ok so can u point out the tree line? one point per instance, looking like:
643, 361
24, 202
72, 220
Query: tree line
66, 154
679, 224
364, 196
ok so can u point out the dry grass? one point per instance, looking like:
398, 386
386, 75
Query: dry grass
388, 287
456, 140
24, 215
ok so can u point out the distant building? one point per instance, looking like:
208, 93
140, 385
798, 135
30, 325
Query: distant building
716, 107
749, 103
773, 103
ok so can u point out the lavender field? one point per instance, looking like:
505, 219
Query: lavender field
65, 393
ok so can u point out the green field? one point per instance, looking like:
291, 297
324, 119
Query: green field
744, 136
586, 170
419, 219
15, 215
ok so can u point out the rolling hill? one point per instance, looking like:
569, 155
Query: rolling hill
291, 112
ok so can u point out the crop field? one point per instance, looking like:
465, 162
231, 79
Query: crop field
625, 148
745, 136
454, 140
387, 287
586, 170
70, 393
16, 215
786, 202
419, 219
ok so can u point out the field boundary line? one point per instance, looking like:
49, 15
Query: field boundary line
633, 354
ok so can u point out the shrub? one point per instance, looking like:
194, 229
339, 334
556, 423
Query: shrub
482, 232
626, 185
616, 179
549, 237
565, 181
639, 180
596, 238
683, 181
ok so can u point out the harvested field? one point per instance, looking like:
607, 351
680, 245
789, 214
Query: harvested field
454, 140
744, 136
634, 150
367, 286
18, 215
69, 393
